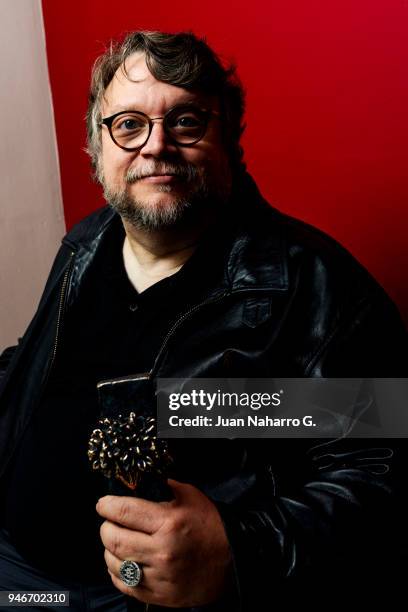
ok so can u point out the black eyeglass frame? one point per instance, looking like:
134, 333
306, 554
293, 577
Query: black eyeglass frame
206, 115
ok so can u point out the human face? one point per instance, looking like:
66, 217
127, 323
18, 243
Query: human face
181, 180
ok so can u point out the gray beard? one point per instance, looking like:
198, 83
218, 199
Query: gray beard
200, 201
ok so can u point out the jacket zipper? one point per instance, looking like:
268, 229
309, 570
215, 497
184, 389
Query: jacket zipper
150, 374
179, 321
212, 300
60, 313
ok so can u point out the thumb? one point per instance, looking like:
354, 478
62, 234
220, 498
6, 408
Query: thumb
182, 491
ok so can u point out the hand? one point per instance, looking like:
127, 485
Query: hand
181, 545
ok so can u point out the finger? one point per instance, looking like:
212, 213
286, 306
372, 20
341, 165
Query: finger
176, 486
140, 592
182, 491
123, 542
131, 512
113, 564
144, 588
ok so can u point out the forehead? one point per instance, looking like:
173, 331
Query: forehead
134, 87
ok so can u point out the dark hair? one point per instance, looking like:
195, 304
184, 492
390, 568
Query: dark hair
180, 59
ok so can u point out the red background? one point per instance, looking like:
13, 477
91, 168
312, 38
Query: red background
327, 99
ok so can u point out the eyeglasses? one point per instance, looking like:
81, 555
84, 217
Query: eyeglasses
183, 124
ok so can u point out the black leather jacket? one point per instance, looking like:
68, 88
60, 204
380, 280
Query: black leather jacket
289, 301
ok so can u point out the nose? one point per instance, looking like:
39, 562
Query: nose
158, 142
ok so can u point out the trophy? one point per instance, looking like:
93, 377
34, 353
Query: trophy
124, 446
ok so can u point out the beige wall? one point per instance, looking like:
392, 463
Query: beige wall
31, 214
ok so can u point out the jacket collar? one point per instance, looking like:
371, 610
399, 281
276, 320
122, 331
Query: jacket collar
257, 257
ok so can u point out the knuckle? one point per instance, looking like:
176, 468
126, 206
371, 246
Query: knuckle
166, 558
110, 537
123, 512
176, 523
115, 544
102, 531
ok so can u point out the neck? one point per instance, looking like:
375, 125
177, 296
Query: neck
153, 245
151, 255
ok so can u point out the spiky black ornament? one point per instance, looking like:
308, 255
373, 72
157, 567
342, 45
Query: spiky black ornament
127, 448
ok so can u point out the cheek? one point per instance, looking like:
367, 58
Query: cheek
208, 157
114, 165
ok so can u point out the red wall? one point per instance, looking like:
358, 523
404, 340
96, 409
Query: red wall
326, 107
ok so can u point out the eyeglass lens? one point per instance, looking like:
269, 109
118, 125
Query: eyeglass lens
184, 126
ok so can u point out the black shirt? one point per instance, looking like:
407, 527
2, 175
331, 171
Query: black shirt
111, 330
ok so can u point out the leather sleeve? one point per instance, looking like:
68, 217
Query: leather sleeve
369, 342
326, 516
315, 517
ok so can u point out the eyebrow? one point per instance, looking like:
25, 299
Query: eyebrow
130, 107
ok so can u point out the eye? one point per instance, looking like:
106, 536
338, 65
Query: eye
187, 121
184, 119
128, 123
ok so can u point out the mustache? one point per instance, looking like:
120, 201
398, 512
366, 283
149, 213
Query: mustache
187, 172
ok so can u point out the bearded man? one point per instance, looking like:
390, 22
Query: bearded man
186, 273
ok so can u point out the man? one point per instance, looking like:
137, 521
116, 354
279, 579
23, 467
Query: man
189, 273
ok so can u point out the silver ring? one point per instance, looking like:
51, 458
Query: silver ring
131, 573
